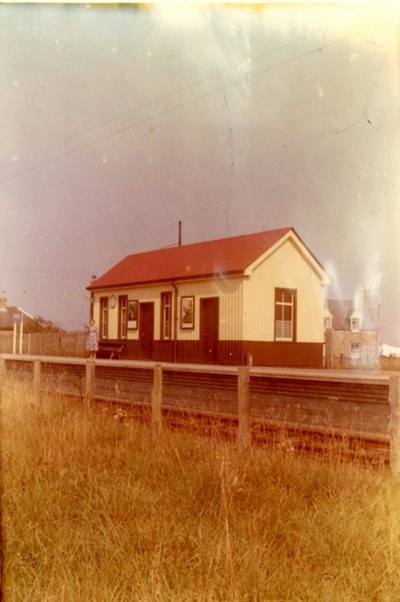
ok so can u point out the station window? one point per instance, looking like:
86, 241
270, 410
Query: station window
104, 317
355, 352
285, 314
122, 316
166, 315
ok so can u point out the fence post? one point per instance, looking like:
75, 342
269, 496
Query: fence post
156, 402
394, 398
244, 436
2, 370
89, 380
37, 368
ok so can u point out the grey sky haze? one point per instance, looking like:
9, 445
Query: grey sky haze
119, 121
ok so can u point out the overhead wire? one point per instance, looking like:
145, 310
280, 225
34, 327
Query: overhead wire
139, 108
160, 113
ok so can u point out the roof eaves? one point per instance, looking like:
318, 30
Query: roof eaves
187, 278
25, 313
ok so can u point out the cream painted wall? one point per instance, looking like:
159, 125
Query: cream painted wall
229, 291
141, 294
285, 268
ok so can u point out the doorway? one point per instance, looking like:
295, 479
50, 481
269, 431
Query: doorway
146, 330
209, 333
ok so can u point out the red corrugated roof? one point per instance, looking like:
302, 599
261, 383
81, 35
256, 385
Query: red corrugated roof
224, 256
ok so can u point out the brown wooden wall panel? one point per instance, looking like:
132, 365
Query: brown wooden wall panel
291, 355
189, 352
235, 353
163, 351
231, 352
131, 350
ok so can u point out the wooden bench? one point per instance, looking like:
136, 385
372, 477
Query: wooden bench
110, 350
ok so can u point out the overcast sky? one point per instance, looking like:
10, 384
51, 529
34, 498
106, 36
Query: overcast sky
119, 121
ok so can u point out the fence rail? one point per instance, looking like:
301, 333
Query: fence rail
344, 403
68, 344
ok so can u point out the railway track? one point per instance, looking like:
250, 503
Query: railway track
302, 411
287, 437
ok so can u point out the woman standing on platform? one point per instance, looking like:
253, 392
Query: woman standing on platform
92, 342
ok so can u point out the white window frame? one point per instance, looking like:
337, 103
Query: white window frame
104, 316
123, 316
282, 305
166, 316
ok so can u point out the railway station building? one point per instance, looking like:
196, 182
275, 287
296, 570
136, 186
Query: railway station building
255, 299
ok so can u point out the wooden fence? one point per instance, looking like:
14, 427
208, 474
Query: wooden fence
344, 404
59, 344
73, 344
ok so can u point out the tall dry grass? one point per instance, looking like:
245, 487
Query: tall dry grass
92, 511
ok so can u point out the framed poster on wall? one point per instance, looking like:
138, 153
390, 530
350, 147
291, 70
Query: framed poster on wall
187, 312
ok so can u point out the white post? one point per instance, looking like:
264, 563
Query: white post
15, 338
21, 333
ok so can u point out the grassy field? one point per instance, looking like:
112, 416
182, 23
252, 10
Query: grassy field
390, 363
93, 511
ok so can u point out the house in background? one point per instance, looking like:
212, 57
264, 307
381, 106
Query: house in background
13, 321
351, 333
253, 298
11, 315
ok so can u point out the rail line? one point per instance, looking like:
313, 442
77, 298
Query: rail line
303, 411
288, 437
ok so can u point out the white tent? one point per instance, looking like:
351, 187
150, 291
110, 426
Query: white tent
390, 351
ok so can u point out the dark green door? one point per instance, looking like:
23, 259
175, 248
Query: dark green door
209, 316
146, 330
